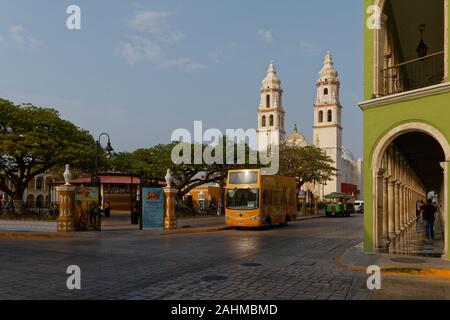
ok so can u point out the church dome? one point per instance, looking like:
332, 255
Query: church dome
296, 138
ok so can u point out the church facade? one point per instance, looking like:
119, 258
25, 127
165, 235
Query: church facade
271, 130
327, 129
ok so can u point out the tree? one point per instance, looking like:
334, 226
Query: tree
34, 140
188, 175
155, 161
307, 164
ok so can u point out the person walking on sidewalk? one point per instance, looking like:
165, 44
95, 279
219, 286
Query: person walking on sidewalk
428, 213
419, 205
107, 209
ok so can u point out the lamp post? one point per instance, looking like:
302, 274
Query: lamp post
50, 187
108, 149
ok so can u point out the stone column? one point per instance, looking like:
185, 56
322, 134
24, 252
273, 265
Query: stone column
170, 221
397, 207
408, 195
408, 211
413, 205
385, 210
316, 205
405, 201
391, 211
445, 209
379, 208
66, 218
66, 197
400, 207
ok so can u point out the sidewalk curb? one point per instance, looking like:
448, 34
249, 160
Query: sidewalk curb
35, 236
426, 272
310, 218
163, 233
193, 231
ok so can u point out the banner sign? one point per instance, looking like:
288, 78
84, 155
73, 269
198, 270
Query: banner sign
152, 208
86, 209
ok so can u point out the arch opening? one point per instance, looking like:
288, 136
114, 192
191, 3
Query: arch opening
39, 201
407, 169
30, 201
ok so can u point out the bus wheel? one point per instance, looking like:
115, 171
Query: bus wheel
286, 221
267, 223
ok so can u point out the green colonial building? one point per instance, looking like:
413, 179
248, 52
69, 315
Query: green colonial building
406, 115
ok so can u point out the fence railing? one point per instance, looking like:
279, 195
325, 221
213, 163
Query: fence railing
414, 74
196, 208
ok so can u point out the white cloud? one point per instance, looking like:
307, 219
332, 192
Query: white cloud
155, 23
217, 55
309, 48
184, 63
155, 39
226, 52
18, 35
265, 35
138, 49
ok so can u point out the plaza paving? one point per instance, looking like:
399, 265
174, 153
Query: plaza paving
295, 262
285, 263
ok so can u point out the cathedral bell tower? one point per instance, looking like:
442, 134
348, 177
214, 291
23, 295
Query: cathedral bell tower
327, 130
271, 130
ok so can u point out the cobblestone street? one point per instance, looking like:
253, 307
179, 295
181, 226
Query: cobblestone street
294, 262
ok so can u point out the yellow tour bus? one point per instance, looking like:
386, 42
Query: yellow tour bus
256, 200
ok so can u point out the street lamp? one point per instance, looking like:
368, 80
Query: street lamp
109, 149
422, 48
50, 188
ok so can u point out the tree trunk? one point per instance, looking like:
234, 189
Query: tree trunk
18, 200
220, 204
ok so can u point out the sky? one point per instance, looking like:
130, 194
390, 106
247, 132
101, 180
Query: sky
138, 70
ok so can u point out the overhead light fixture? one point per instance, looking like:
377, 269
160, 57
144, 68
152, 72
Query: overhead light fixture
422, 48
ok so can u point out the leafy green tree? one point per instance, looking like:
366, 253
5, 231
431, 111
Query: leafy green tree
307, 164
34, 140
155, 161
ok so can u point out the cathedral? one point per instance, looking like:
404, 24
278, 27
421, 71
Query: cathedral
327, 129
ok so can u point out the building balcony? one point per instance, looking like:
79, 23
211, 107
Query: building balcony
409, 48
413, 74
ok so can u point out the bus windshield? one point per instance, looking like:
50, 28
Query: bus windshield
242, 199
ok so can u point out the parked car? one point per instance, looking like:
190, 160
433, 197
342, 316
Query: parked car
359, 206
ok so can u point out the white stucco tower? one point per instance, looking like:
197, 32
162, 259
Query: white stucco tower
327, 130
271, 130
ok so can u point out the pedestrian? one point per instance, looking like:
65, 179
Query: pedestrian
419, 205
428, 214
107, 209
